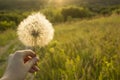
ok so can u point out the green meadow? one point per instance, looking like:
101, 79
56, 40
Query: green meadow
87, 49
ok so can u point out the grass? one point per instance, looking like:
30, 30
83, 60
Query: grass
81, 50
6, 37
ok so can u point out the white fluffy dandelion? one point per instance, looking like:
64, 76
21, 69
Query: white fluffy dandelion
35, 30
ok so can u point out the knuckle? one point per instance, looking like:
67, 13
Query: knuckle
30, 50
17, 53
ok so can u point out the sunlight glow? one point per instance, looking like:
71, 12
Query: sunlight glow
57, 2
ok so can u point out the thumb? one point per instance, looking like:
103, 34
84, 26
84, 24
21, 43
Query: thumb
30, 63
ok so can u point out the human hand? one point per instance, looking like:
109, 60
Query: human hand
19, 64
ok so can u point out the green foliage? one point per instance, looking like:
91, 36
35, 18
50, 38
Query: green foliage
76, 12
4, 25
6, 37
106, 11
81, 50
116, 11
10, 20
54, 15
15, 16
66, 13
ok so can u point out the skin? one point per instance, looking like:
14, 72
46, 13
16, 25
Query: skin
28, 57
21, 62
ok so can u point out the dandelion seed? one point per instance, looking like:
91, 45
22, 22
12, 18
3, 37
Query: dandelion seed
35, 30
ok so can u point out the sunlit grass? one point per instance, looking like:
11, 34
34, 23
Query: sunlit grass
6, 37
81, 50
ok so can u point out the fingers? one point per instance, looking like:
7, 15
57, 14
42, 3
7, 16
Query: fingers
25, 53
28, 57
28, 53
30, 65
34, 69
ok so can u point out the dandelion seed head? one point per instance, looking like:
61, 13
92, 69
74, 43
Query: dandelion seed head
35, 30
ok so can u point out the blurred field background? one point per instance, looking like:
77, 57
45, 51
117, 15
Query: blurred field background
86, 44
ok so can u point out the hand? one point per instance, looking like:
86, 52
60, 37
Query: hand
19, 64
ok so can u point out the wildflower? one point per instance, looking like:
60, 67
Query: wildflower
35, 30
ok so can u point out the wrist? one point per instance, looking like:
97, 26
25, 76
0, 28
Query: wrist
10, 77
5, 78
